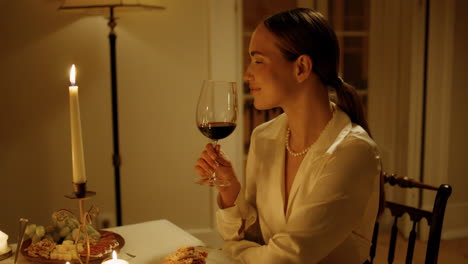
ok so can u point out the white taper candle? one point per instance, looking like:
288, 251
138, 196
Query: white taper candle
79, 173
3, 243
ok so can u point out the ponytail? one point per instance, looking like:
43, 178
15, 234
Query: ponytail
350, 102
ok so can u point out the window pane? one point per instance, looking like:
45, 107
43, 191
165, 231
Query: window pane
349, 15
354, 70
255, 11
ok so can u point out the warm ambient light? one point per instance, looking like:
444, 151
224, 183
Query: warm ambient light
72, 75
3, 243
115, 260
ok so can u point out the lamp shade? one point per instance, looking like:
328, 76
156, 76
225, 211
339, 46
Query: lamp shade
128, 4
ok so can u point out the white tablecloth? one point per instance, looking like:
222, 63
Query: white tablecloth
151, 241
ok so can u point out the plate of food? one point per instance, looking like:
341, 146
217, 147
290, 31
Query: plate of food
194, 255
50, 252
55, 243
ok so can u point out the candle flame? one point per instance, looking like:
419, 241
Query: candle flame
72, 75
67, 262
114, 255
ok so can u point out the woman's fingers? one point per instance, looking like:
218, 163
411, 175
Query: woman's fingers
202, 172
209, 159
222, 159
218, 155
211, 151
214, 160
207, 167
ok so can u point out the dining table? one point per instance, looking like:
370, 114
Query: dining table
150, 242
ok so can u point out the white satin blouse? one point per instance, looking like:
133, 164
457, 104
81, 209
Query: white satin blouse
332, 204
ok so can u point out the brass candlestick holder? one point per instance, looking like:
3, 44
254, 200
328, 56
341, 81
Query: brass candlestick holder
85, 218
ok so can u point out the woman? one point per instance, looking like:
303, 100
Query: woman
313, 175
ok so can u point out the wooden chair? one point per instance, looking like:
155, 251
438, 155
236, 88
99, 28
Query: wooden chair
435, 219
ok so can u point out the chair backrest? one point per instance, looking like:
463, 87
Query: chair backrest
435, 219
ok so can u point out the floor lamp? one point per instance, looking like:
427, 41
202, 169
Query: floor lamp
102, 7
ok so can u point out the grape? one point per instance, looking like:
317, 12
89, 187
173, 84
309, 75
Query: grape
30, 230
64, 231
72, 223
40, 231
76, 232
60, 224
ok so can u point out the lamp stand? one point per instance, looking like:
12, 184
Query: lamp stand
115, 116
147, 4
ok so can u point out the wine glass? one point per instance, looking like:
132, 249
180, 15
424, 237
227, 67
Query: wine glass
216, 117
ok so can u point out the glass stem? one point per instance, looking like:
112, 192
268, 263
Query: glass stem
214, 142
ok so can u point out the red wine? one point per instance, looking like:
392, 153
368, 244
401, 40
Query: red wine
217, 130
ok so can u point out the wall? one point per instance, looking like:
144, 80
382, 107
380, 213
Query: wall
394, 83
162, 58
457, 211
444, 161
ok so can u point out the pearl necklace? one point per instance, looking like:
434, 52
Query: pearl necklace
295, 154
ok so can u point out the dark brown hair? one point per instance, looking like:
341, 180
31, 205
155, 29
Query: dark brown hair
302, 31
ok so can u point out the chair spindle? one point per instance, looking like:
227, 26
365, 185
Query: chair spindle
375, 237
393, 240
411, 243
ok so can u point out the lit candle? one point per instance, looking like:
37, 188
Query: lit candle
3, 243
79, 175
115, 260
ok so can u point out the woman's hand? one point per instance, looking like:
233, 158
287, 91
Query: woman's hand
215, 161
